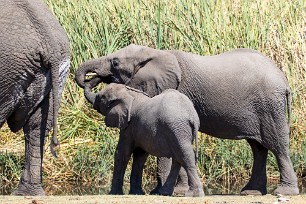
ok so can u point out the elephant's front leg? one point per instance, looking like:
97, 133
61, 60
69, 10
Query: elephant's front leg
35, 130
122, 157
139, 159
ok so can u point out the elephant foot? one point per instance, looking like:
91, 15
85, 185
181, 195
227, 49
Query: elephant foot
161, 190
136, 192
165, 191
195, 193
181, 189
27, 189
251, 190
286, 190
155, 191
116, 192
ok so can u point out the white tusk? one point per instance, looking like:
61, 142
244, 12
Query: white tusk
91, 74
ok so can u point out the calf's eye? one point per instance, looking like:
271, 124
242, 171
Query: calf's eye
110, 103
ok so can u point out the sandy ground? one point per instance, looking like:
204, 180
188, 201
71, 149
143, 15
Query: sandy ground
129, 199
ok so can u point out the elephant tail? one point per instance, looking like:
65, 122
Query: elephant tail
59, 74
195, 134
197, 147
288, 103
55, 84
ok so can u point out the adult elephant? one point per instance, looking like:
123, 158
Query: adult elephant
239, 94
34, 63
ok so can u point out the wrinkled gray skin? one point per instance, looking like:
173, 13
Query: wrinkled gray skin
163, 126
239, 94
34, 62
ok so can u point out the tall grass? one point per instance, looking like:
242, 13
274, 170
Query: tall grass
96, 28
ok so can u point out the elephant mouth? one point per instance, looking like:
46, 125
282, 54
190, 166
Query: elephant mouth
92, 75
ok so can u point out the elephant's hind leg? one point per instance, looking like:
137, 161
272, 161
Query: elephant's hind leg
194, 181
288, 180
184, 154
35, 130
277, 132
257, 184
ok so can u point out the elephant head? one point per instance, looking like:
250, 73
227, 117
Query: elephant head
143, 68
114, 102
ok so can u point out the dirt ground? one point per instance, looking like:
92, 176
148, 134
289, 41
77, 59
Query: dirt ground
129, 199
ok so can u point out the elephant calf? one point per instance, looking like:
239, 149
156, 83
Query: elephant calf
163, 126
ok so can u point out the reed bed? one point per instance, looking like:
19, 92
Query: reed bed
96, 28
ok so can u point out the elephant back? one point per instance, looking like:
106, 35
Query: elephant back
29, 30
174, 106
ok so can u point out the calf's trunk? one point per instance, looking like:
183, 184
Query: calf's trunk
91, 96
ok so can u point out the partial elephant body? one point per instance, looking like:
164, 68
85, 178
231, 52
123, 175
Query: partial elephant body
31, 42
155, 120
232, 97
240, 94
34, 63
164, 126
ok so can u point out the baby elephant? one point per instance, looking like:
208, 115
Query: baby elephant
164, 126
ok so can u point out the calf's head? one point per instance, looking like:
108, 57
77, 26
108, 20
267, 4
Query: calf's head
114, 102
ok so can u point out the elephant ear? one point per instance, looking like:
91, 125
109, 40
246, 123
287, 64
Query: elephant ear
156, 70
119, 113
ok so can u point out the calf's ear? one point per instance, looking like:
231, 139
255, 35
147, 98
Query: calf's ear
119, 114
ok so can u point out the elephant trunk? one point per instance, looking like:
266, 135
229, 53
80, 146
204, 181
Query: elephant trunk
90, 96
96, 67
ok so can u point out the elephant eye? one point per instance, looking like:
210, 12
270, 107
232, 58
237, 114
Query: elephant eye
115, 62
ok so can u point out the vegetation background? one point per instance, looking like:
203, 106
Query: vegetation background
96, 28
